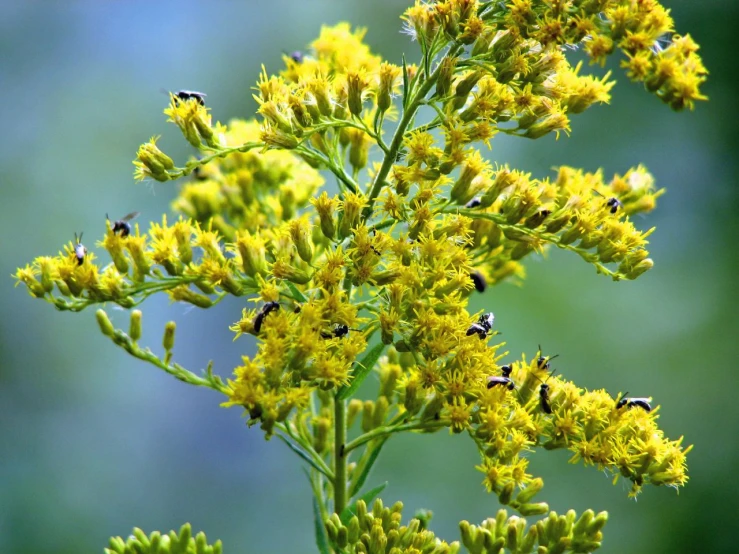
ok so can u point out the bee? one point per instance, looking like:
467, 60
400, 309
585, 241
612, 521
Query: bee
613, 203
79, 249
123, 224
542, 362
264, 312
483, 326
504, 380
297, 56
340, 330
641, 402
479, 281
546, 407
186, 95
474, 203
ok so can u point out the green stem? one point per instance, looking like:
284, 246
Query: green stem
551, 238
340, 453
397, 141
176, 370
390, 429
220, 153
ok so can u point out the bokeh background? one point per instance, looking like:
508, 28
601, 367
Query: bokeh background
93, 442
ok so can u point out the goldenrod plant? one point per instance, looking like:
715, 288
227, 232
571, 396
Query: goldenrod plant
372, 273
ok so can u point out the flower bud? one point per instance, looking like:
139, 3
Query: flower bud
352, 208
359, 145
168, 339
367, 412
531, 490
320, 434
277, 138
463, 88
389, 74
326, 207
106, 327
380, 411
135, 328
253, 253
352, 411
184, 294
300, 232
642, 267
284, 270
533, 509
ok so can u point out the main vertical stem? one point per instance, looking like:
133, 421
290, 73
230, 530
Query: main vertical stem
339, 455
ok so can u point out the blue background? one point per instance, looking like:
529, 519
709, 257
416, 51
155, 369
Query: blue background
93, 442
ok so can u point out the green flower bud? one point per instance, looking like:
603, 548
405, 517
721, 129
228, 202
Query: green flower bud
353, 530
378, 416
533, 509
321, 429
184, 294
356, 84
135, 328
529, 539
352, 411
531, 490
446, 72
598, 523
367, 412
106, 327
342, 537
642, 267
388, 379
506, 493
168, 339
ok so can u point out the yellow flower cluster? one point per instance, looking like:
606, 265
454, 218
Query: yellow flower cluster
247, 190
171, 259
389, 259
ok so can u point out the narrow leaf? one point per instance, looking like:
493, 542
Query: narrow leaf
296, 294
320, 528
303, 455
405, 83
356, 486
368, 497
360, 373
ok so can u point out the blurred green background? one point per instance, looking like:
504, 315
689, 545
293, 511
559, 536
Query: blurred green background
93, 442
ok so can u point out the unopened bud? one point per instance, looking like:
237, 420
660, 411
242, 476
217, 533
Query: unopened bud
533, 509
168, 339
320, 434
446, 71
389, 74
352, 411
106, 327
135, 328
367, 412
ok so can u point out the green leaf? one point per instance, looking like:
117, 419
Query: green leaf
296, 294
356, 486
302, 454
368, 497
320, 528
365, 366
405, 83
